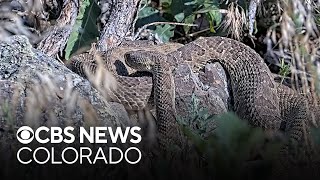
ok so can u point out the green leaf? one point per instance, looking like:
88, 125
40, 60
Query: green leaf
284, 70
164, 32
85, 30
181, 6
179, 17
147, 11
206, 9
191, 3
189, 20
177, 6
148, 15
213, 14
211, 27
166, 1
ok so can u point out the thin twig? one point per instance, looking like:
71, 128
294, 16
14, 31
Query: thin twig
157, 23
198, 32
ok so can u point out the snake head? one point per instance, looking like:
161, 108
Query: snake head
142, 60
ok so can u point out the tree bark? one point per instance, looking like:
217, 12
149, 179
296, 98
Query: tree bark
56, 40
119, 23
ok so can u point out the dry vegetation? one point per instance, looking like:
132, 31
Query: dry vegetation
296, 36
293, 40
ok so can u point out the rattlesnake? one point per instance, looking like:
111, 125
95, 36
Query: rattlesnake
257, 97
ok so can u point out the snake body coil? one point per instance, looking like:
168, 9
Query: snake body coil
257, 97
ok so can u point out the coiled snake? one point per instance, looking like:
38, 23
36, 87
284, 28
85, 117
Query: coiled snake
257, 97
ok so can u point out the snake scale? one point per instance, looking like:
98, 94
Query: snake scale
257, 97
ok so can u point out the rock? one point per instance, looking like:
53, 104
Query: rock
49, 93
201, 96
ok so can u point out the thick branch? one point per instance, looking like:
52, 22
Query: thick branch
122, 15
56, 40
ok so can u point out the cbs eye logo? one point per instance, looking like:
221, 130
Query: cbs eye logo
25, 134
